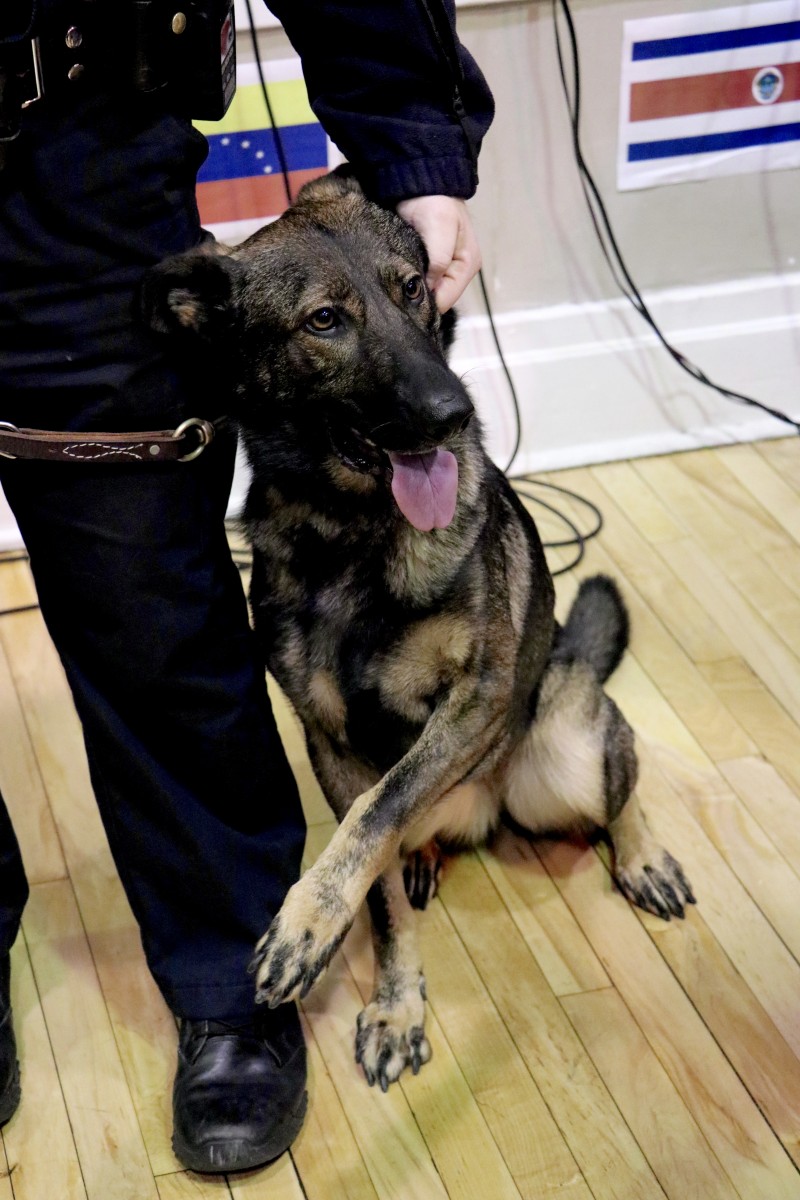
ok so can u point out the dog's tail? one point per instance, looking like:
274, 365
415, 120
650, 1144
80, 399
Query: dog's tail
597, 628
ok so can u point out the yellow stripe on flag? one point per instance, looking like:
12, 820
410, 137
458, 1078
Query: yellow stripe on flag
289, 102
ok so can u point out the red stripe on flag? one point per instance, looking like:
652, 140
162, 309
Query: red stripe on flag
255, 196
705, 93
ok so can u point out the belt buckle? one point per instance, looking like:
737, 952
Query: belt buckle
38, 78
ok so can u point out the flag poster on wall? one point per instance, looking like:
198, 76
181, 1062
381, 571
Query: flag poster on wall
240, 186
710, 93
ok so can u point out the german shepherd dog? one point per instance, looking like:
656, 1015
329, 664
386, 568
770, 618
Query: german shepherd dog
401, 598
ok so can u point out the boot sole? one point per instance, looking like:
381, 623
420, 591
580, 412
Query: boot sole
222, 1158
9, 1101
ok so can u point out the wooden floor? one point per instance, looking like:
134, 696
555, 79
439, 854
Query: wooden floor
581, 1049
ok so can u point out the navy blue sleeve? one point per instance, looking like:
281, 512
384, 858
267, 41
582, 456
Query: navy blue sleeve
395, 90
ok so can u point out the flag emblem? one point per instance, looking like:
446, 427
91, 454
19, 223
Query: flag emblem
767, 85
710, 93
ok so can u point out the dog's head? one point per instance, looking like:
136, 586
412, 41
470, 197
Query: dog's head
327, 330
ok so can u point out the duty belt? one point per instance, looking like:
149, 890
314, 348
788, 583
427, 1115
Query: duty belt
181, 52
74, 45
163, 445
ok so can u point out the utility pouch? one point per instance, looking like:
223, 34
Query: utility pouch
201, 66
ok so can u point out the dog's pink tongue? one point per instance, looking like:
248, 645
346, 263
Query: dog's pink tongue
425, 488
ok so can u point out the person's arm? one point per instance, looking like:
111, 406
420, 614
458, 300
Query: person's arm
407, 106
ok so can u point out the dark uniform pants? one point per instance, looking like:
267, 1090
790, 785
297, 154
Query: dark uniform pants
131, 562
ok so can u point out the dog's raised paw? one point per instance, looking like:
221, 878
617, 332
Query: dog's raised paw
657, 884
386, 1044
296, 948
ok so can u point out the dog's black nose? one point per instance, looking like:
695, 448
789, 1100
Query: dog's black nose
447, 415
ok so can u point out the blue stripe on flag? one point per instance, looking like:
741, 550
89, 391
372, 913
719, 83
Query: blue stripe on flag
238, 155
736, 140
725, 39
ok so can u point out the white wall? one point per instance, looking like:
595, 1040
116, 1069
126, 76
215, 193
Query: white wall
717, 260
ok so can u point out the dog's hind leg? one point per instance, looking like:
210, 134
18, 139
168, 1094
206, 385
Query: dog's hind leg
576, 770
645, 872
390, 1034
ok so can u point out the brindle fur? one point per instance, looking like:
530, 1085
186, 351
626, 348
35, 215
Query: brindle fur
434, 685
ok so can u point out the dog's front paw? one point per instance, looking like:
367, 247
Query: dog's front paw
388, 1040
298, 945
657, 884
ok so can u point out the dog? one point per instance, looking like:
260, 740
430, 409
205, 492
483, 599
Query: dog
401, 598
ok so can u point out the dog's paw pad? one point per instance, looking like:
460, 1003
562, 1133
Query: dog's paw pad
657, 884
386, 1044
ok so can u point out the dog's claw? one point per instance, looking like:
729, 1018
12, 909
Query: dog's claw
307, 988
680, 877
418, 1041
261, 951
386, 1045
672, 901
421, 874
663, 889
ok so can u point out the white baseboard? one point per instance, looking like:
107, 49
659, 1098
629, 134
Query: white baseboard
595, 385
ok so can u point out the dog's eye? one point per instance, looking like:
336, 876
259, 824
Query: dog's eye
414, 288
322, 321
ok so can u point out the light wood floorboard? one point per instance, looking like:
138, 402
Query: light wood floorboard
582, 1050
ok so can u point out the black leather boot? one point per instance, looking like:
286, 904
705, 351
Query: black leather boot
9, 1067
240, 1091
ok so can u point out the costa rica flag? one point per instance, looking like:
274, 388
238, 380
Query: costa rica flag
711, 93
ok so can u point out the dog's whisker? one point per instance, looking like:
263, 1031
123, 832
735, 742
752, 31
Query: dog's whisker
363, 437
378, 428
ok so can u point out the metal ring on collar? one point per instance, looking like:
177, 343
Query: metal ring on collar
13, 429
206, 433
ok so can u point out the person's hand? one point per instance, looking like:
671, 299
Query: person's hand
445, 227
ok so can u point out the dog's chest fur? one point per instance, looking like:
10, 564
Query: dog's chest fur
366, 623
355, 623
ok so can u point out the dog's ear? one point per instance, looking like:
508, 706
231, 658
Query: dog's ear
333, 186
195, 292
